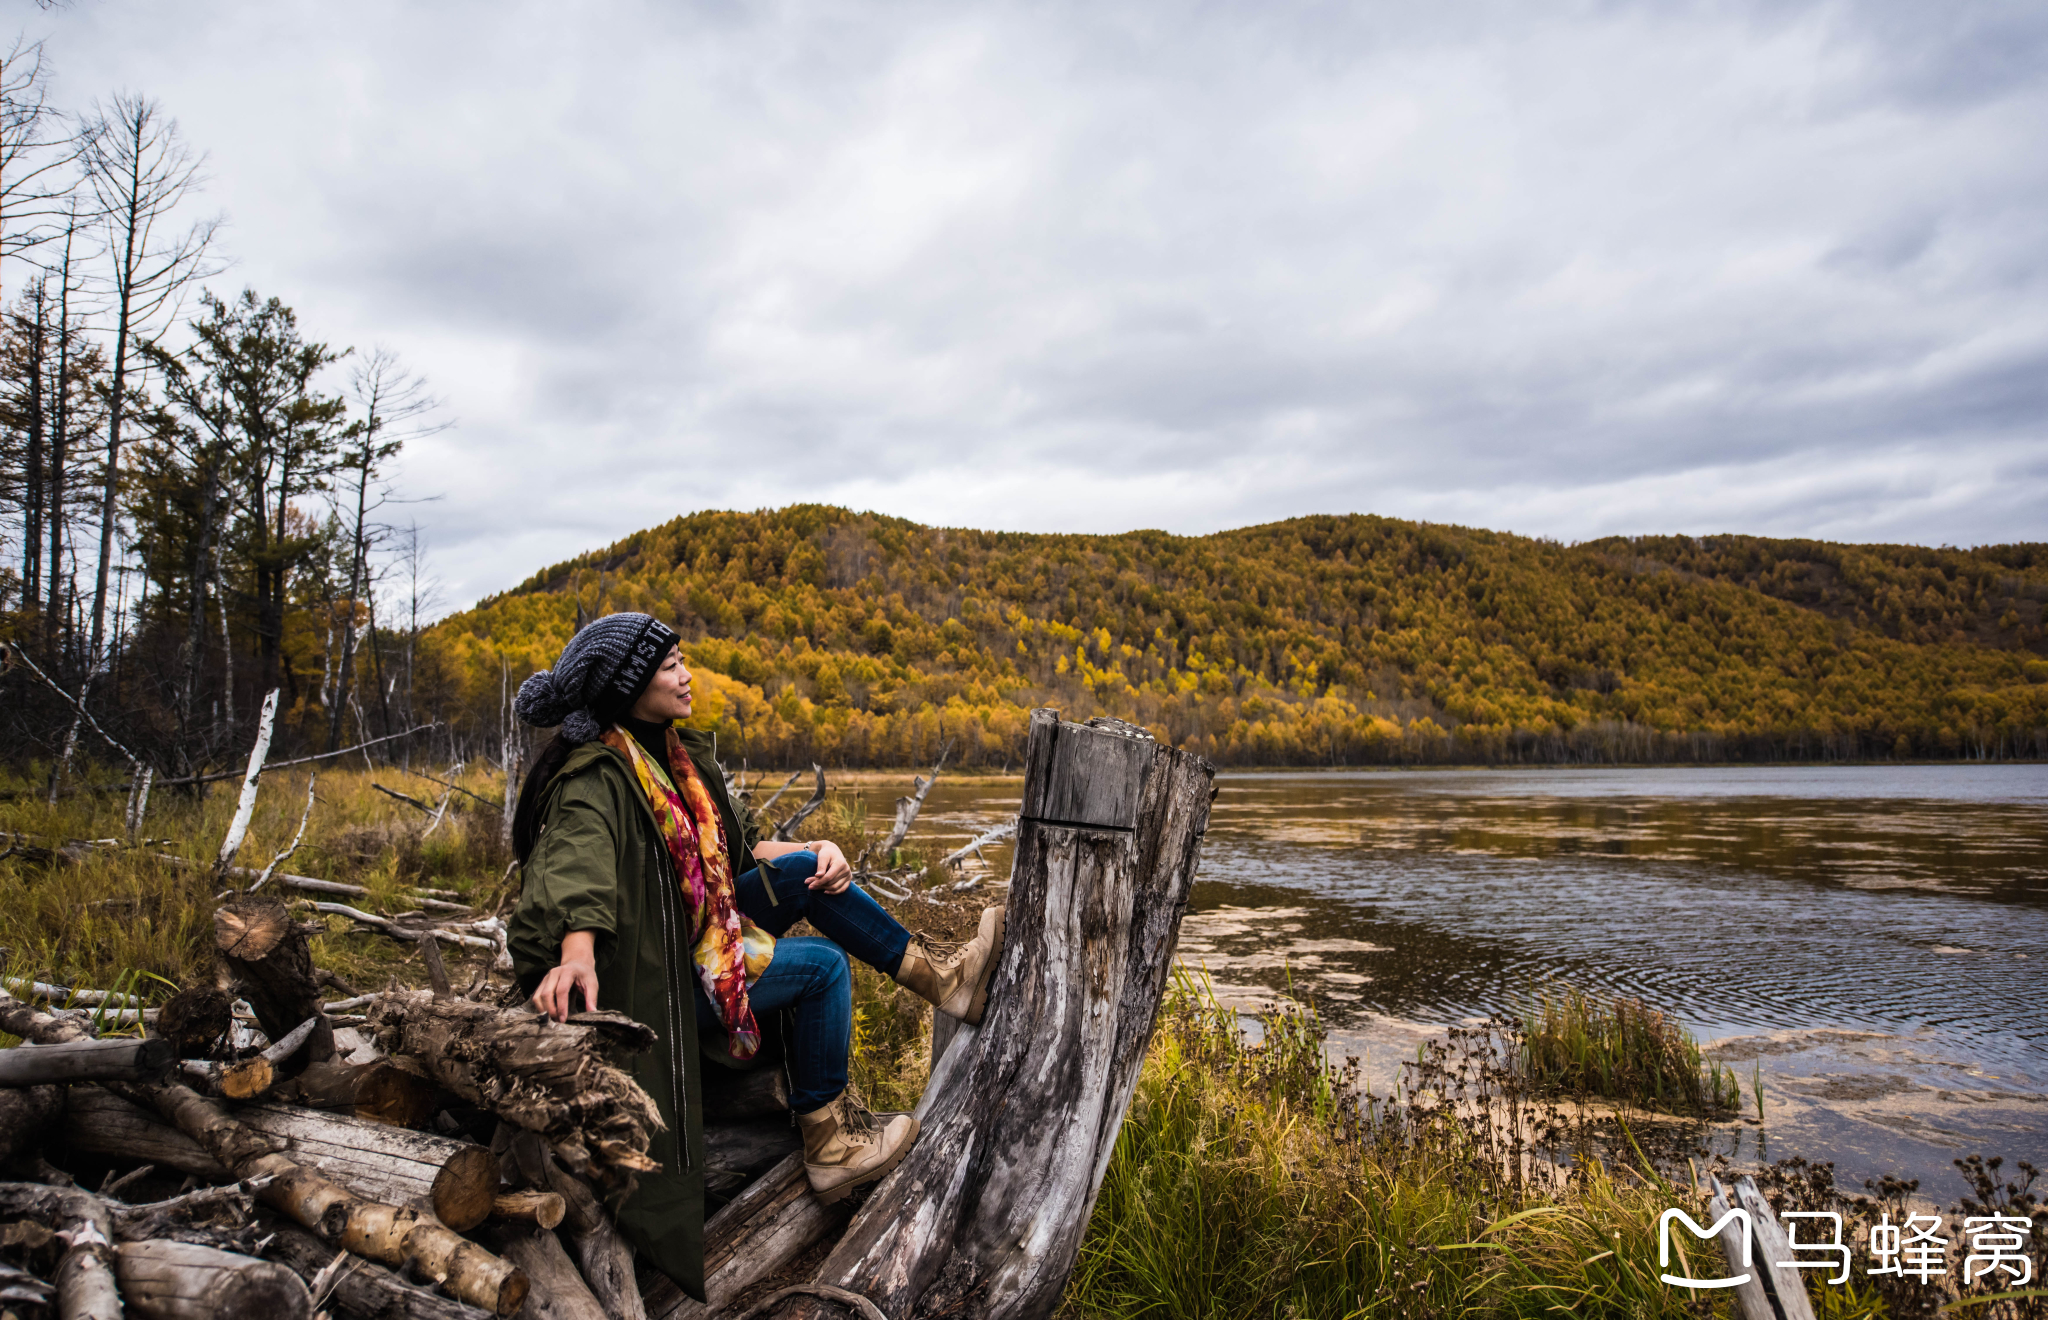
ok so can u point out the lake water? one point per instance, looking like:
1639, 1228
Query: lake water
1872, 939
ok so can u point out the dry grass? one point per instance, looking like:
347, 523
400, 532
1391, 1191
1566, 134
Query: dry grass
122, 912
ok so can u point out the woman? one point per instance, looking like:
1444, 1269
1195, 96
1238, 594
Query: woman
632, 897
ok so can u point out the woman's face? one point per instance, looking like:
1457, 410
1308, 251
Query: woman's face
667, 695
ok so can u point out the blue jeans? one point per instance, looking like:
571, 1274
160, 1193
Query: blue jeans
811, 975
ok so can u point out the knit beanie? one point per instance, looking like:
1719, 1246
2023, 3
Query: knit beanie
603, 670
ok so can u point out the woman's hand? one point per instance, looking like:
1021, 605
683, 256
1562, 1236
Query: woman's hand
578, 971
833, 874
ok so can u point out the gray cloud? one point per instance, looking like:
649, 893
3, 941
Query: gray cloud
1567, 270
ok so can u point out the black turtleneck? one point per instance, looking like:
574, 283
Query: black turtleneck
652, 735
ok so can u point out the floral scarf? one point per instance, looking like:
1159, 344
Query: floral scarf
728, 950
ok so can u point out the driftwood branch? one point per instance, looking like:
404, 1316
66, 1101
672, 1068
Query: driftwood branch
908, 807
245, 806
776, 796
1006, 830
787, 829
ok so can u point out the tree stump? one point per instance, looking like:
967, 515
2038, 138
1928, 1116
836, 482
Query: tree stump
268, 955
984, 1217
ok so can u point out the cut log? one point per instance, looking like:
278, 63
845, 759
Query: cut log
267, 953
254, 1075
381, 1231
374, 1160
380, 1091
86, 1061
605, 1256
559, 1292
361, 1288
196, 1020
985, 1214
544, 1208
765, 1228
24, 1115
554, 1078
181, 1281
99, 1122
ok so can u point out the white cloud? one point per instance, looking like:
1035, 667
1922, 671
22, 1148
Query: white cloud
1568, 271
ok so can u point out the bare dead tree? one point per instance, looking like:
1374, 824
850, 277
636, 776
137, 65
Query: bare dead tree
140, 172
35, 152
395, 407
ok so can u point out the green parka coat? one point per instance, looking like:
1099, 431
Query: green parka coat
600, 865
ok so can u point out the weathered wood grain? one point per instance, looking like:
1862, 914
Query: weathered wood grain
374, 1160
984, 1216
769, 1225
182, 1281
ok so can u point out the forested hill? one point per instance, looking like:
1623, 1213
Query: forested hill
854, 639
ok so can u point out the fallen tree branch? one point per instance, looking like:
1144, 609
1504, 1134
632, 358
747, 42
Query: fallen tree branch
293, 847
457, 787
398, 932
407, 798
185, 1281
297, 760
20, 653
361, 1288
254, 1076
440, 814
1006, 830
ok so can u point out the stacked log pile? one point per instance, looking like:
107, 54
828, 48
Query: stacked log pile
356, 1170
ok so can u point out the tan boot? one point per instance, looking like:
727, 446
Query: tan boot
955, 980
847, 1146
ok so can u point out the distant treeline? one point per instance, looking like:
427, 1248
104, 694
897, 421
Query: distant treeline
852, 639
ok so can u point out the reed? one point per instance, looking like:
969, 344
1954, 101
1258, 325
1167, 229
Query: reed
1618, 1048
1255, 1180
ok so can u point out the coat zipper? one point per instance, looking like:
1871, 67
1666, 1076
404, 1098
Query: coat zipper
678, 1091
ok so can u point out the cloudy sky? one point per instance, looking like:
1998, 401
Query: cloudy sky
1561, 269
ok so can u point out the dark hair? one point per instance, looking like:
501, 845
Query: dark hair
526, 816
